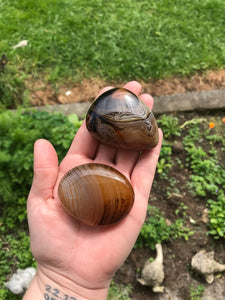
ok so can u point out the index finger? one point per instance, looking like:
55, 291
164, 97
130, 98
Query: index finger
83, 143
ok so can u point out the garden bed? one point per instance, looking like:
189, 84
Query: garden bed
175, 196
190, 172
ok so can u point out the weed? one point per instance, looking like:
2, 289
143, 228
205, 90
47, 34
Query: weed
178, 230
208, 176
165, 160
163, 167
217, 215
155, 230
173, 188
169, 125
18, 132
119, 292
181, 209
171, 128
179, 163
13, 92
15, 252
196, 293
213, 138
193, 136
7, 295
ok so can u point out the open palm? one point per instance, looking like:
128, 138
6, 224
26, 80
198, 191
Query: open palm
88, 256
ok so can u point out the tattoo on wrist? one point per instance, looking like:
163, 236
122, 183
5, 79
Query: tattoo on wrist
55, 294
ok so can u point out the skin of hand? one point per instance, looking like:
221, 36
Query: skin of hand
80, 258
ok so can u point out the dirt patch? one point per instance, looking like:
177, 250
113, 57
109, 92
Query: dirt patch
42, 93
210, 81
85, 91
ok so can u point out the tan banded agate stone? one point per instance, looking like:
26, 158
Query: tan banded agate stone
96, 194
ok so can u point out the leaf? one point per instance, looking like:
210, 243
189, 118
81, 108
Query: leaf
73, 118
4, 157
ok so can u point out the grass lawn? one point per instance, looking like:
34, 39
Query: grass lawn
112, 39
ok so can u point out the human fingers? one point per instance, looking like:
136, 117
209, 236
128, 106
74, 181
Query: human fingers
105, 153
83, 144
45, 170
144, 170
126, 160
148, 99
105, 89
133, 86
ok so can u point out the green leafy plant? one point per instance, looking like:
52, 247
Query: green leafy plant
193, 135
13, 92
155, 230
181, 209
208, 176
196, 293
7, 295
217, 216
178, 230
163, 166
119, 291
15, 253
170, 125
20, 248
18, 132
165, 160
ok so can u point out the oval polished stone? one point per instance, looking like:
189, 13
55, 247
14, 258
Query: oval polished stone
120, 119
96, 194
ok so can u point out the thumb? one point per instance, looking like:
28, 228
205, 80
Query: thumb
45, 170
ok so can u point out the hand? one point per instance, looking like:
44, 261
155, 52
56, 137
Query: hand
79, 258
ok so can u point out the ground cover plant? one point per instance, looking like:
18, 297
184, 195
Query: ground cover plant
196, 294
181, 192
18, 132
114, 40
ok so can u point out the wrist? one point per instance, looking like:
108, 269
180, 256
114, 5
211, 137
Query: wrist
49, 285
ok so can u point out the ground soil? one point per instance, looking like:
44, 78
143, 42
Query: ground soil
42, 93
179, 276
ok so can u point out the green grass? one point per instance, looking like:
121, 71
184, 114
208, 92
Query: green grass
113, 39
